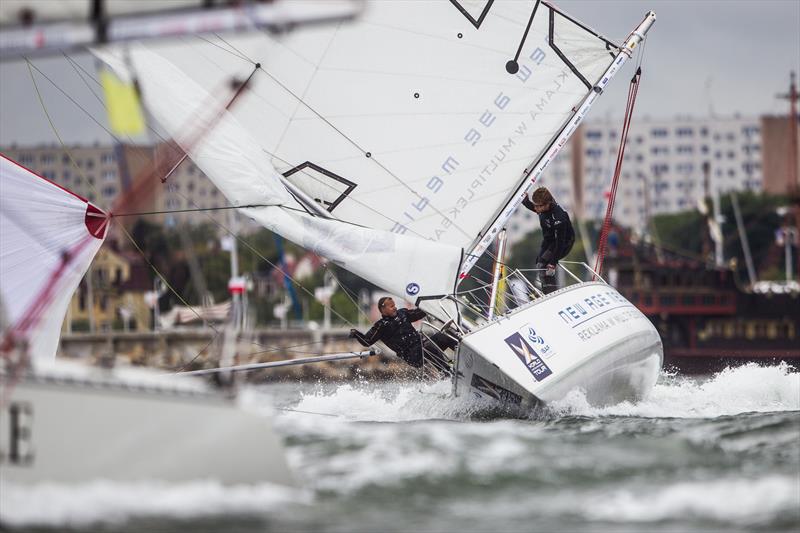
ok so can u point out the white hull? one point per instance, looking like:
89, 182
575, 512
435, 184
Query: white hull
584, 337
84, 424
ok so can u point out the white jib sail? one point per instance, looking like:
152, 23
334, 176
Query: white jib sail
238, 166
420, 119
48, 238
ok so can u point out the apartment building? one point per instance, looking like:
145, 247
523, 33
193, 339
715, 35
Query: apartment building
663, 168
126, 179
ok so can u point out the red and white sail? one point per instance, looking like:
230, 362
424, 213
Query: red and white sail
48, 238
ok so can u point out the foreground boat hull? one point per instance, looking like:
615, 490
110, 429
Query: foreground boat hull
66, 428
585, 337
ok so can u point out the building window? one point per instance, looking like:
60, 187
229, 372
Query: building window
594, 134
109, 192
659, 150
109, 175
658, 132
660, 168
686, 149
685, 132
107, 158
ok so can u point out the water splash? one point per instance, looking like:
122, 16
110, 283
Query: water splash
398, 401
744, 389
748, 388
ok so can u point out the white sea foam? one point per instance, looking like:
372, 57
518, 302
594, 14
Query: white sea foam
383, 402
110, 502
748, 388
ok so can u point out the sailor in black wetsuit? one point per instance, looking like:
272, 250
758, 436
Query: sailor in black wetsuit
395, 330
557, 234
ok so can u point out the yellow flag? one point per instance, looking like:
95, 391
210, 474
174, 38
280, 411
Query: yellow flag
500, 300
122, 104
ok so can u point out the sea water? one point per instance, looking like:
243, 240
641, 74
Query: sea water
717, 453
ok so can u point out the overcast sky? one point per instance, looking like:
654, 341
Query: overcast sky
702, 57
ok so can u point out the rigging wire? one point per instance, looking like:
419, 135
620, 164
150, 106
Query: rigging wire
601, 247
91, 185
81, 173
130, 237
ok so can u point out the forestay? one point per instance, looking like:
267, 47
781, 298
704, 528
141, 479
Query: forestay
413, 128
48, 238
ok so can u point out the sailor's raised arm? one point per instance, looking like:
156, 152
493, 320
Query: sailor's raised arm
371, 337
527, 202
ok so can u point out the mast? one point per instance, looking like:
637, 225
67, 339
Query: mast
748, 258
535, 169
793, 174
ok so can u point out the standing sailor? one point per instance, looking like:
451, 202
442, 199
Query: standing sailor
395, 330
557, 234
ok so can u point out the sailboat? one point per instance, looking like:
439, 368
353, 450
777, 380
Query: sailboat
398, 147
70, 423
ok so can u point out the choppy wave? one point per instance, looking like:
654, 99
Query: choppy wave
76, 505
728, 500
719, 450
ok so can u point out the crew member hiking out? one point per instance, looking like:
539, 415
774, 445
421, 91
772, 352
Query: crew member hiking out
396, 331
557, 235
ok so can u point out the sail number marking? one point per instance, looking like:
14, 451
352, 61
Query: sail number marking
18, 449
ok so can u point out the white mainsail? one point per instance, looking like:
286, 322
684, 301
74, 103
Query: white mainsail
48, 238
414, 128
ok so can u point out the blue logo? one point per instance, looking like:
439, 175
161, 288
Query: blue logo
412, 289
528, 355
537, 341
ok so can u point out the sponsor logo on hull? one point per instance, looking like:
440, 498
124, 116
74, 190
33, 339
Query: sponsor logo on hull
537, 367
541, 346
